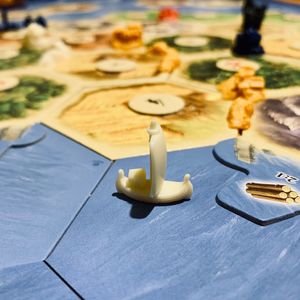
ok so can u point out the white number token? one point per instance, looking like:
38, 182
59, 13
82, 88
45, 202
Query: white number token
156, 104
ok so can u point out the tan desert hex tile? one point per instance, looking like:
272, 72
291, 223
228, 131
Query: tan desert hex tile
101, 120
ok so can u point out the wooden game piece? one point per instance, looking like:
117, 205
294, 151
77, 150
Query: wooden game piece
191, 41
293, 194
8, 82
269, 198
240, 113
170, 58
156, 189
269, 186
159, 49
267, 193
297, 199
115, 65
156, 104
235, 64
247, 42
127, 38
170, 62
168, 14
289, 200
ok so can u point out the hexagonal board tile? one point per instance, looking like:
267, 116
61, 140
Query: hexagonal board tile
33, 281
44, 185
118, 248
101, 119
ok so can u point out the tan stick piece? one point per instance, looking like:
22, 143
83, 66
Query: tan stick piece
268, 198
293, 194
290, 200
297, 199
273, 187
267, 193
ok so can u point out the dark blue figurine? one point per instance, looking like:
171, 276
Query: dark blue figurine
248, 40
38, 20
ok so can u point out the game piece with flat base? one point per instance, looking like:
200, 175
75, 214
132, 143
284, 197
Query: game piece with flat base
155, 189
248, 41
129, 37
169, 56
168, 14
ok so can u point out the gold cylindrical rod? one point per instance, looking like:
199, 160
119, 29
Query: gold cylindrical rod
290, 200
268, 186
297, 199
293, 194
269, 199
267, 193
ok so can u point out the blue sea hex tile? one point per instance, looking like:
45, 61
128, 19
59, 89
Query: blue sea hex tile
43, 186
32, 281
121, 249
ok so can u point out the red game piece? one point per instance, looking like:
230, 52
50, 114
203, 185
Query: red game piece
168, 14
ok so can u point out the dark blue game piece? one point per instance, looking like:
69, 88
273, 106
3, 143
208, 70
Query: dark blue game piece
41, 21
27, 21
248, 43
248, 40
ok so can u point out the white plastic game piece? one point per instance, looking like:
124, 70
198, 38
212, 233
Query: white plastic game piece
8, 82
156, 104
7, 53
116, 65
156, 189
191, 41
38, 38
234, 64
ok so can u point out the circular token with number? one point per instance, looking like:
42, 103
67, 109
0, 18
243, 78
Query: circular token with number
14, 35
7, 53
116, 65
291, 17
8, 82
295, 45
79, 39
191, 41
234, 64
156, 104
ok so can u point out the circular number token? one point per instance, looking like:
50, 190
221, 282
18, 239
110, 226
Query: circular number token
7, 53
14, 35
191, 41
79, 39
156, 104
115, 65
291, 17
7, 83
295, 45
234, 64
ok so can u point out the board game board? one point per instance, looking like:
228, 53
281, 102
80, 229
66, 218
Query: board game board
67, 127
